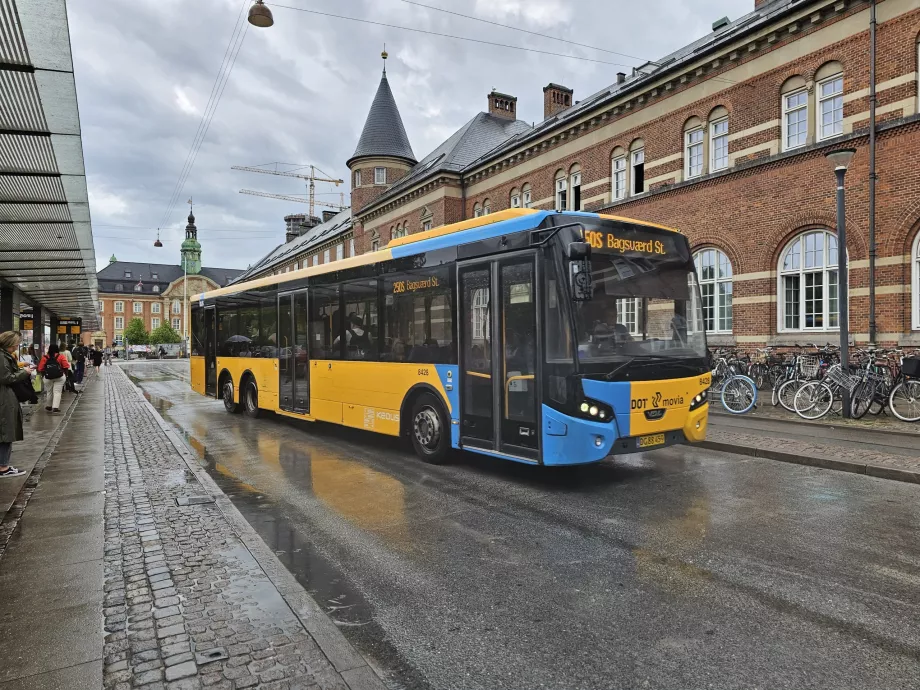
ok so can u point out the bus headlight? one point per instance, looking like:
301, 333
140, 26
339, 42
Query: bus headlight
595, 410
699, 400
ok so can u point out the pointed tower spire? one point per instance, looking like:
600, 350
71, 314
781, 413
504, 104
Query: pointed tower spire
384, 134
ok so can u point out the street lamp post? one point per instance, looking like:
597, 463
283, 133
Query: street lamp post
840, 159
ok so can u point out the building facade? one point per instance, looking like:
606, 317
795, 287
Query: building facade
725, 140
155, 293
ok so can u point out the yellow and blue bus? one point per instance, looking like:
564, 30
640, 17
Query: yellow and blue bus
542, 337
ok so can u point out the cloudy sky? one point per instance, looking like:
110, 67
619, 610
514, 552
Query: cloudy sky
299, 93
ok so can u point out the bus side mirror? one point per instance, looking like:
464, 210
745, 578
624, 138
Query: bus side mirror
579, 250
580, 279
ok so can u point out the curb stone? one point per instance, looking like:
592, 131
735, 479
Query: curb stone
880, 471
355, 670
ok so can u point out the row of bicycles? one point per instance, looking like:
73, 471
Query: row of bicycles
811, 382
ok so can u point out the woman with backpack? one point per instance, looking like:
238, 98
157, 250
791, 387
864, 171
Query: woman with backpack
52, 367
11, 375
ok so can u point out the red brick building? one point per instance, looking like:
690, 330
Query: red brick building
725, 140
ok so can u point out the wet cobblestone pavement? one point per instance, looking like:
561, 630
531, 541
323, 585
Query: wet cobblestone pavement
181, 589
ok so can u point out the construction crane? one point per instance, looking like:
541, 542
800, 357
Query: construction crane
312, 179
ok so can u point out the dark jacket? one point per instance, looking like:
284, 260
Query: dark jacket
10, 412
97, 358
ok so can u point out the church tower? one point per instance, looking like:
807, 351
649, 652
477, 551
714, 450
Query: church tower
383, 154
191, 248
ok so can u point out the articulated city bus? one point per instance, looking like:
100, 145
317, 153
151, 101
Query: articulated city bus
541, 337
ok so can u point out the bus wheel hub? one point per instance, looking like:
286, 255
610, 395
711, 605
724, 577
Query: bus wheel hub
427, 428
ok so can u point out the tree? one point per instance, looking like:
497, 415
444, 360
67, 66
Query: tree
135, 333
164, 334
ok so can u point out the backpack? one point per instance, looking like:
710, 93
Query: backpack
53, 369
24, 391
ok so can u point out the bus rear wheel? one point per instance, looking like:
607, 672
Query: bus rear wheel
250, 395
429, 429
226, 392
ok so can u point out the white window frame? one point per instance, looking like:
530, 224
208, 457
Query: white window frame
101, 305
718, 145
380, 175
315, 260
479, 311
177, 324
351, 248
155, 308
119, 339
137, 307
375, 245
326, 256
618, 177
119, 307
835, 100
515, 201
562, 190
156, 288
722, 276
477, 210
119, 323
574, 181
526, 198
826, 269
340, 251
630, 307
357, 178
915, 282
177, 306
788, 111
138, 288
635, 158
154, 323
486, 207
426, 225
694, 141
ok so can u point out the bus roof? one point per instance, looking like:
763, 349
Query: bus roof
475, 229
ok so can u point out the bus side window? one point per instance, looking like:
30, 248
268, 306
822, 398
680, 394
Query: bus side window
325, 323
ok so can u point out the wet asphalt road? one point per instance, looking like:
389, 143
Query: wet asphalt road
682, 568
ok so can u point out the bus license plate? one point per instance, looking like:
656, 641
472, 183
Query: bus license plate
650, 441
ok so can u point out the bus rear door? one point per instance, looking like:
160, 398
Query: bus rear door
293, 355
500, 380
210, 351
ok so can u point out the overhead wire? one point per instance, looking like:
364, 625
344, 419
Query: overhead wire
228, 61
443, 35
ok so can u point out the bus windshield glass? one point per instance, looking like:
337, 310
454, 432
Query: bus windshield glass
644, 304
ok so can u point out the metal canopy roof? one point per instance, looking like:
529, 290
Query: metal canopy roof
46, 240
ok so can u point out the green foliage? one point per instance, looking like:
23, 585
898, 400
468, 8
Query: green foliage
135, 333
164, 335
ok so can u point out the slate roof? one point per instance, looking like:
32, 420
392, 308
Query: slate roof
114, 274
339, 224
473, 140
384, 134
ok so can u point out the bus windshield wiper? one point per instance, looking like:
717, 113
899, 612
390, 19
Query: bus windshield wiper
640, 361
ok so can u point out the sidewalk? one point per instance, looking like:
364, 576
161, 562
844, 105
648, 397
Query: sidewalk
885, 453
123, 588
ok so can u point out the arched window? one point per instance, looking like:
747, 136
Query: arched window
714, 272
829, 97
915, 281
426, 219
561, 191
694, 146
794, 96
718, 139
575, 188
808, 283
637, 166
375, 245
477, 210
486, 207
515, 198
526, 199
618, 184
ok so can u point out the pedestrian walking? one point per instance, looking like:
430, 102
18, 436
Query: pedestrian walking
10, 411
52, 367
97, 359
79, 354
108, 355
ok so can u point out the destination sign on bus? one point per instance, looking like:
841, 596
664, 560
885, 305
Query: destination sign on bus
415, 285
633, 243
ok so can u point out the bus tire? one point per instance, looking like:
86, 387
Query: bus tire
249, 395
226, 394
429, 429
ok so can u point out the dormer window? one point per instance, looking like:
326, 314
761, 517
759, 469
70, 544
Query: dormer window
127, 274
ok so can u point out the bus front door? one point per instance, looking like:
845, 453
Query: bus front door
293, 355
210, 351
500, 389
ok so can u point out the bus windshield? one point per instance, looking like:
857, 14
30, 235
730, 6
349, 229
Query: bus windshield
644, 305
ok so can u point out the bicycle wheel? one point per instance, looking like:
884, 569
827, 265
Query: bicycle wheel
904, 401
861, 399
787, 391
813, 400
758, 373
739, 393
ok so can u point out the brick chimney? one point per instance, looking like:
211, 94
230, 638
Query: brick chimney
555, 99
759, 3
502, 105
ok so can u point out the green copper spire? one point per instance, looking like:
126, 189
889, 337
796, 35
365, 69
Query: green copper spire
191, 248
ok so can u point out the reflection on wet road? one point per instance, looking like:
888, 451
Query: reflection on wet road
679, 569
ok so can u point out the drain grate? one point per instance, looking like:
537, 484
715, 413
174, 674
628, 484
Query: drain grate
193, 500
209, 655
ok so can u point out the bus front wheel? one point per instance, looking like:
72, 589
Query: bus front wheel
429, 429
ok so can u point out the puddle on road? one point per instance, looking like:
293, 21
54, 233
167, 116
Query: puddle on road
178, 477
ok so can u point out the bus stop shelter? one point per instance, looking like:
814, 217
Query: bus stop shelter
47, 260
